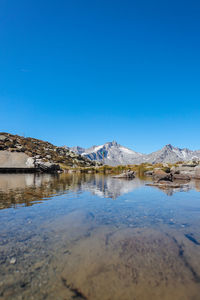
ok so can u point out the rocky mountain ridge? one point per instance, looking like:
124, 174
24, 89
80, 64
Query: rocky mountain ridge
172, 154
113, 154
110, 153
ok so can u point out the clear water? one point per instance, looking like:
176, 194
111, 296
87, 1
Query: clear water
96, 237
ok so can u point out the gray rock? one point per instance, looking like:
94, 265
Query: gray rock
3, 138
14, 160
184, 168
30, 162
193, 172
127, 175
13, 261
197, 172
181, 177
48, 167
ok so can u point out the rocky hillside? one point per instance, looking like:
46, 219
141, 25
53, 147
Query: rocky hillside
38, 150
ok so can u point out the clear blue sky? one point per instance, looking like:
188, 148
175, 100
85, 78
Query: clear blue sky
87, 72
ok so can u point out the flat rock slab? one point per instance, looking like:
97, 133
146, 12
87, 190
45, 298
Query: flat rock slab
167, 185
127, 175
15, 160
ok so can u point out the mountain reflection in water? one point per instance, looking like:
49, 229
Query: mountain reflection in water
28, 188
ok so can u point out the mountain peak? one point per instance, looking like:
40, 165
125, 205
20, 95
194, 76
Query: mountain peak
113, 143
168, 146
112, 153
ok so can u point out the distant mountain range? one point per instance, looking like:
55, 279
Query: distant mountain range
114, 154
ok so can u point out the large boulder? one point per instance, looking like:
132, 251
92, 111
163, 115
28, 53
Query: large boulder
20, 160
182, 168
181, 177
197, 172
160, 175
3, 138
191, 171
15, 160
30, 162
126, 175
47, 167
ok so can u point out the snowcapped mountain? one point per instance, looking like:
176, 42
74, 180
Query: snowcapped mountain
114, 154
110, 153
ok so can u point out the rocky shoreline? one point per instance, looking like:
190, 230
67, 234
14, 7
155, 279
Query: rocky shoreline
174, 177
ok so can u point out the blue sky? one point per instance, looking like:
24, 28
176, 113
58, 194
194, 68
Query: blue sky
87, 72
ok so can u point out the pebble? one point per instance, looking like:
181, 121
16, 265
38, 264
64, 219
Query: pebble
13, 260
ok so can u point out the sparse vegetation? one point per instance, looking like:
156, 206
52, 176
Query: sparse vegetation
43, 150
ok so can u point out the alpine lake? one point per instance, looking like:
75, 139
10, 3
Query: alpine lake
95, 237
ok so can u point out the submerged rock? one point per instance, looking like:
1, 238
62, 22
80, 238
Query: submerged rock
127, 175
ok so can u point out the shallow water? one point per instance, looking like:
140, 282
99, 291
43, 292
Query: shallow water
96, 237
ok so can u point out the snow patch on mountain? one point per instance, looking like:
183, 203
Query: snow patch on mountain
111, 153
114, 154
